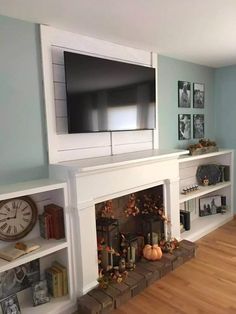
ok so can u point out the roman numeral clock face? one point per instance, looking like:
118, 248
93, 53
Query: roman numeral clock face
17, 218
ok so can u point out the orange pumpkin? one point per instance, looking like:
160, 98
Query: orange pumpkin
152, 252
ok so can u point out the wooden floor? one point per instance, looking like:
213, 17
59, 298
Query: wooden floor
206, 284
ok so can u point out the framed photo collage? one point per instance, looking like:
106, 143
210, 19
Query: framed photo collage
186, 120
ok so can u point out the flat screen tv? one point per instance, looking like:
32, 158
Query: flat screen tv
107, 95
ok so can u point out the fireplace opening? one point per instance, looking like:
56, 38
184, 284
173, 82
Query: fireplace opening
125, 225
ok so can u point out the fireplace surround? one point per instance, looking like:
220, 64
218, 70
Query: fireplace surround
96, 180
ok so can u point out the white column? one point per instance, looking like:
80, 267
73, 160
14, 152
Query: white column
85, 247
171, 193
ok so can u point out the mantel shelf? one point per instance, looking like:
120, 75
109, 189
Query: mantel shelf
120, 160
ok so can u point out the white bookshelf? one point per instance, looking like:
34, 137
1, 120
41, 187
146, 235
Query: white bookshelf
200, 226
43, 192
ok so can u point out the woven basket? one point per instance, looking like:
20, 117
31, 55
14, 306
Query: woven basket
203, 150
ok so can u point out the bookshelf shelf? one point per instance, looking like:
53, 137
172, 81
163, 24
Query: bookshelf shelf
46, 247
202, 191
203, 225
43, 192
56, 305
188, 165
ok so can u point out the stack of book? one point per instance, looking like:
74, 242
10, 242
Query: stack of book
51, 222
56, 277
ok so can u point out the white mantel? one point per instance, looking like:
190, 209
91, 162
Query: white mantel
95, 180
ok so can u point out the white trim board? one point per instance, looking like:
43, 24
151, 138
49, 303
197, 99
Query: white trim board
61, 145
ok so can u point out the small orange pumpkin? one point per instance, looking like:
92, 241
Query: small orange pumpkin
152, 252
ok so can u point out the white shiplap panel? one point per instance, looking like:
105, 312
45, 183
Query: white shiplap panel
60, 91
61, 126
84, 153
84, 44
58, 73
131, 137
61, 109
57, 55
131, 147
125, 142
86, 140
54, 43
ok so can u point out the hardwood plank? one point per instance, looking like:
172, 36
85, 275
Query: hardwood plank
205, 284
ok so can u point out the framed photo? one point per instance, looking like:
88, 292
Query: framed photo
184, 125
19, 278
184, 94
40, 292
10, 305
210, 205
198, 126
198, 95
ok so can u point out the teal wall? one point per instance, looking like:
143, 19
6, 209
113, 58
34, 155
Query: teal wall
22, 138
22, 123
225, 110
170, 71
225, 106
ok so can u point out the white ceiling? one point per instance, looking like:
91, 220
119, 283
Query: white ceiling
202, 31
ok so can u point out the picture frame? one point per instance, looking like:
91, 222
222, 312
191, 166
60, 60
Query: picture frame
40, 293
184, 126
184, 94
198, 95
19, 278
10, 305
210, 205
198, 126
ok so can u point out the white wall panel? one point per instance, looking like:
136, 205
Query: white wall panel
59, 91
74, 154
64, 146
60, 107
58, 73
80, 141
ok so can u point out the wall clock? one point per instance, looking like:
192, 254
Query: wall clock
17, 218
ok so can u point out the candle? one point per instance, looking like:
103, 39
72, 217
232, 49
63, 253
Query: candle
132, 257
104, 259
111, 259
128, 254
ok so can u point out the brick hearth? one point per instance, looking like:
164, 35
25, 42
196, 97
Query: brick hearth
102, 301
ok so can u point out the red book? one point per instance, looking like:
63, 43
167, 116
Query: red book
57, 220
49, 226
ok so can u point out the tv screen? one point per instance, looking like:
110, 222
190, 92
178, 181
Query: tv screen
106, 95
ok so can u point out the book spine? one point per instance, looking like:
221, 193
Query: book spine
52, 281
64, 277
43, 226
49, 226
57, 220
60, 280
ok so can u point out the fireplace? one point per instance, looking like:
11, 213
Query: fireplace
97, 180
124, 225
